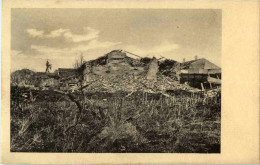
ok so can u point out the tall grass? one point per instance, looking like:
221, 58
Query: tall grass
142, 122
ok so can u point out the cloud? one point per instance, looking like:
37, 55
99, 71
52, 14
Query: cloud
87, 43
46, 50
95, 44
75, 42
89, 34
62, 52
35, 33
156, 51
56, 33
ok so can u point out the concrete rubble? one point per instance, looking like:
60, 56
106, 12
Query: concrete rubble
115, 71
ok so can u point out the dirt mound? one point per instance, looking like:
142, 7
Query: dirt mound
22, 77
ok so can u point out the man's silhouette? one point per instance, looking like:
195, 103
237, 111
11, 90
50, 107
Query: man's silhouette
48, 67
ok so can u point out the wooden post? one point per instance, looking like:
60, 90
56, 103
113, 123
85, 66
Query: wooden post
202, 87
210, 85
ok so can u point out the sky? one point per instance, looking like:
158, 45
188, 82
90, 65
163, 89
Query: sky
63, 35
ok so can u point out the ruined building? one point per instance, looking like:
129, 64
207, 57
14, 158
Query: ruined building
119, 69
200, 71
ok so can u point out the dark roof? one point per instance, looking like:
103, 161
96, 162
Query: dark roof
45, 75
199, 64
66, 72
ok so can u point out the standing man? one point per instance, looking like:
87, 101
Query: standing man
48, 67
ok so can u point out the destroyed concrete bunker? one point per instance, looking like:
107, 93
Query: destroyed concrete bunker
123, 67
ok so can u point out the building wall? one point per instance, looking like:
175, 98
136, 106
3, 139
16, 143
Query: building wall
197, 71
187, 77
196, 79
152, 71
115, 57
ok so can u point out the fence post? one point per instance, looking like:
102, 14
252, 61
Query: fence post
202, 87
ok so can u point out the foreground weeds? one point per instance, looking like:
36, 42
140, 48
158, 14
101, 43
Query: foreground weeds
51, 122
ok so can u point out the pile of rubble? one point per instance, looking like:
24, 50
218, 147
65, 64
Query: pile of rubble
128, 83
213, 92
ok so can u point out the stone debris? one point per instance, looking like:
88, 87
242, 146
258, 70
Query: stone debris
128, 83
212, 92
112, 72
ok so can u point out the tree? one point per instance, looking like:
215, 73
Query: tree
80, 66
80, 62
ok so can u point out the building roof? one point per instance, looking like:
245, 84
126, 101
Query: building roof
44, 75
66, 72
199, 64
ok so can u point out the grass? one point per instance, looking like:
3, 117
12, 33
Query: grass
111, 122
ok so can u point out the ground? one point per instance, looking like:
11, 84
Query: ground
48, 121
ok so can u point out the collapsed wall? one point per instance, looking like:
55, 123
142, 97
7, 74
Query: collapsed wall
117, 71
112, 72
153, 69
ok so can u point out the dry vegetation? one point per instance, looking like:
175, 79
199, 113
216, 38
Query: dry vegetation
47, 121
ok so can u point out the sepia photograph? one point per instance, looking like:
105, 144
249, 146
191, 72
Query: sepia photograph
126, 82
115, 80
